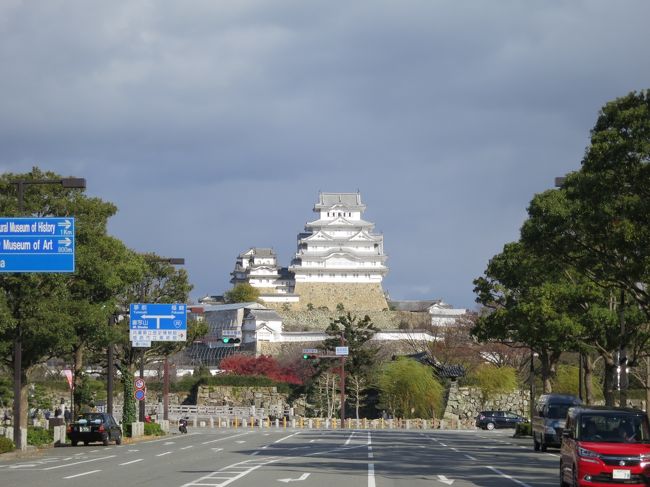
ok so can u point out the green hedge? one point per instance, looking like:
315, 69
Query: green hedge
6, 445
153, 429
39, 436
523, 429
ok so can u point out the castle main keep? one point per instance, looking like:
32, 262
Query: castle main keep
339, 260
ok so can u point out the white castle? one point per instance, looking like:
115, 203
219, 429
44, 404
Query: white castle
339, 260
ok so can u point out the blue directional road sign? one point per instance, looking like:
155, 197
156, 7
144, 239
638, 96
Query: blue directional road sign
158, 322
37, 244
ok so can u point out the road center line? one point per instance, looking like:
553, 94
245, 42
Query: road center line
347, 442
509, 477
81, 474
186, 447
163, 454
371, 475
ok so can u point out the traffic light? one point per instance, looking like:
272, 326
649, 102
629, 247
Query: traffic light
309, 356
229, 340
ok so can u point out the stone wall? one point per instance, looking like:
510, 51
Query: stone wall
464, 403
291, 350
354, 296
269, 398
319, 320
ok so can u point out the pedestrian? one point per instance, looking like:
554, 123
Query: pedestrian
47, 414
67, 415
5, 418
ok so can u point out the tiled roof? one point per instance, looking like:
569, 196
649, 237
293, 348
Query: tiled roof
442, 370
412, 306
264, 314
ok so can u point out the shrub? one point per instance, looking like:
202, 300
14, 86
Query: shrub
493, 380
6, 445
39, 437
153, 429
523, 429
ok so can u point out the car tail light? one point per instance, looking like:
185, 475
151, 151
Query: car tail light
69, 429
101, 428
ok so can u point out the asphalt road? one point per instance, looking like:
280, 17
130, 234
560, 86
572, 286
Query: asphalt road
296, 458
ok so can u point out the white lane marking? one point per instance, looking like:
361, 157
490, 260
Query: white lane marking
81, 474
163, 454
215, 450
445, 480
93, 451
302, 477
240, 441
23, 465
282, 439
225, 438
371, 466
132, 461
347, 442
132, 450
254, 453
509, 477
553, 455
169, 443
454, 449
470, 457
186, 447
77, 463
442, 444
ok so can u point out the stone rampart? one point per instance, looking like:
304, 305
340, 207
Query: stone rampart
464, 403
353, 296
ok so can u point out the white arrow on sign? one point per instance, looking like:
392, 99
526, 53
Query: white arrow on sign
445, 480
66, 241
66, 224
302, 477
158, 318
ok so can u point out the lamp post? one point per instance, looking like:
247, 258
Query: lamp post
68, 183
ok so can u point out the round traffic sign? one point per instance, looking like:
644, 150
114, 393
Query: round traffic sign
139, 394
139, 384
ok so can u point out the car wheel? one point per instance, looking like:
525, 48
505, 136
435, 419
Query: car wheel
543, 446
490, 426
118, 440
74, 442
86, 443
535, 444
105, 441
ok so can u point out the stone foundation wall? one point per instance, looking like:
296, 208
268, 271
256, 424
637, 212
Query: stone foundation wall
464, 403
268, 398
354, 296
318, 320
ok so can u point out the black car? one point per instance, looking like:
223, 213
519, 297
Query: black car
95, 427
489, 420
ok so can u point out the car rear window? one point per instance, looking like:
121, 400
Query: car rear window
90, 418
558, 411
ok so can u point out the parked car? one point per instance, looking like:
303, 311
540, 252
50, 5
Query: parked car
549, 418
94, 427
605, 446
488, 420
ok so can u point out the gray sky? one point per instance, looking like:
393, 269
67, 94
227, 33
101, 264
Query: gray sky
213, 125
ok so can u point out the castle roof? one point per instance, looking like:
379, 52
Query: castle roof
350, 201
263, 314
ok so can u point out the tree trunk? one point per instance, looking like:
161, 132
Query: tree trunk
24, 398
77, 371
589, 371
610, 379
548, 363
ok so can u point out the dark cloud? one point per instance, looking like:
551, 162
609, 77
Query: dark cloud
213, 125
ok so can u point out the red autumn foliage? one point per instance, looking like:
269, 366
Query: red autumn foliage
264, 365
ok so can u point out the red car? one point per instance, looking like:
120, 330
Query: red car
603, 446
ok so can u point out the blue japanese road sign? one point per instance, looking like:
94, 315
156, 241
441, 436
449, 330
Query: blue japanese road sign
37, 244
158, 322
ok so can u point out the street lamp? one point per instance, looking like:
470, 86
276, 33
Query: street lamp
68, 183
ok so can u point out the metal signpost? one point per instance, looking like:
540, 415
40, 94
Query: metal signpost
37, 244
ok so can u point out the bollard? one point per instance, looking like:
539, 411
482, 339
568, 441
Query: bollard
284, 422
293, 423
202, 424
195, 421
310, 423
277, 423
318, 423
302, 422
211, 422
